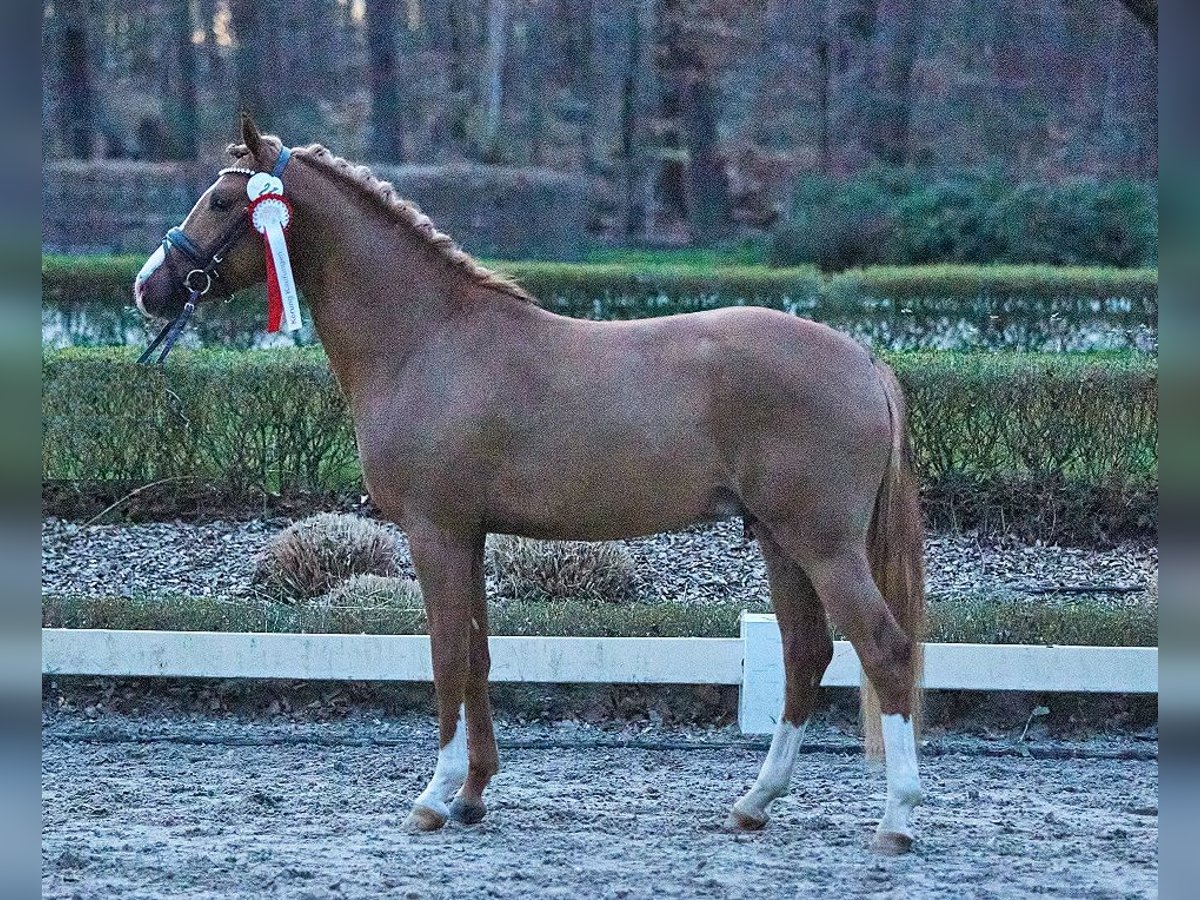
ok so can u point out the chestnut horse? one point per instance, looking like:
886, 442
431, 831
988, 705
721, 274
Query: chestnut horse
478, 411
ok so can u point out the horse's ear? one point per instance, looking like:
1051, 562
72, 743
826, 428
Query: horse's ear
251, 136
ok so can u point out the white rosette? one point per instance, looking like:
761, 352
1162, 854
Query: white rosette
270, 215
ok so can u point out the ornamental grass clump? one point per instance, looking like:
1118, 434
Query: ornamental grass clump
371, 591
528, 569
315, 555
377, 603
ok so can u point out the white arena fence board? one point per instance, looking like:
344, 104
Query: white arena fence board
376, 657
752, 661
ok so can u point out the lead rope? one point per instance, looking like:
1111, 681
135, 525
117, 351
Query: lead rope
170, 332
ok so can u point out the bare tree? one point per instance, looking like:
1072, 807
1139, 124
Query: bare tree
824, 93
493, 77
898, 27
638, 97
696, 37
257, 30
692, 113
387, 118
187, 114
1146, 12
77, 107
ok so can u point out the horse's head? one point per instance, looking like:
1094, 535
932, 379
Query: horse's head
216, 250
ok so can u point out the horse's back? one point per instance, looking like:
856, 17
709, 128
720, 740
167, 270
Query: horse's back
772, 361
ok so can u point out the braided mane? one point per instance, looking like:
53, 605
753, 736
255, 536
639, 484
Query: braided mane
402, 211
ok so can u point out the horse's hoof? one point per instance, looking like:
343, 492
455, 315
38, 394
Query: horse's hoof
744, 821
891, 843
467, 812
423, 819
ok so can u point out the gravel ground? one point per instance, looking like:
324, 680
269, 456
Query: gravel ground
146, 808
713, 562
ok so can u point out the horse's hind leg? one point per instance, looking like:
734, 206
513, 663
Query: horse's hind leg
450, 569
483, 758
843, 580
807, 650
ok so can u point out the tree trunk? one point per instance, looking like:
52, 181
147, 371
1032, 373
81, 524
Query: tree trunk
633, 215
387, 117
1146, 12
850, 32
493, 78
187, 117
578, 51
452, 38
825, 91
707, 181
637, 103
256, 30
897, 31
78, 106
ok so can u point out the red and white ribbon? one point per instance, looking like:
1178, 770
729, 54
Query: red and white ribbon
270, 214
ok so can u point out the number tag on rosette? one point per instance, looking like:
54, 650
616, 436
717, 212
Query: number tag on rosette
270, 214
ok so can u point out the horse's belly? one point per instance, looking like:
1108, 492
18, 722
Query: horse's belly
610, 504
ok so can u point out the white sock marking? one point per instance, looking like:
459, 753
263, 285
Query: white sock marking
903, 780
450, 772
776, 773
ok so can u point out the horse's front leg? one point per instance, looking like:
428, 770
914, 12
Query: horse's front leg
483, 758
450, 569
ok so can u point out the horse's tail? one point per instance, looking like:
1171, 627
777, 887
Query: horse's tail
896, 547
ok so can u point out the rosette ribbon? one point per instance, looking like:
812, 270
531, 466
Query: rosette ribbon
270, 213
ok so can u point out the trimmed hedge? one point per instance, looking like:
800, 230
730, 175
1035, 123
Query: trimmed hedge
896, 308
584, 290
629, 290
250, 421
83, 279
1085, 417
1080, 621
1049, 446
1053, 447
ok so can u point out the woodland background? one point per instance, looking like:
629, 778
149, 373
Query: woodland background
691, 121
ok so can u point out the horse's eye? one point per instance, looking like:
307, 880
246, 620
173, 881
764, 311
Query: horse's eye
218, 203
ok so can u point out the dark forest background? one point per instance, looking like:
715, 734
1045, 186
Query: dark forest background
694, 119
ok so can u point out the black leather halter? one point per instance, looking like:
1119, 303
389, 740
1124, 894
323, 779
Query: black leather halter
205, 269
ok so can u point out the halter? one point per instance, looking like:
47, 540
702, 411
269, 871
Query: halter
199, 279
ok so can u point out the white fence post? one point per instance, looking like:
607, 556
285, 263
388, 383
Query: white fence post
761, 698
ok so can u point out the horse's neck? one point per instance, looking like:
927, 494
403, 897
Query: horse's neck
375, 292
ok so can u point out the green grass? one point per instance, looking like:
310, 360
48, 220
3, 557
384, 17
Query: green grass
1069, 620
1075, 620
